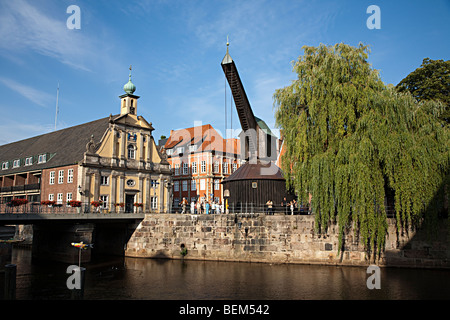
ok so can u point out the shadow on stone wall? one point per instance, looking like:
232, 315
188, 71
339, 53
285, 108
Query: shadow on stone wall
427, 244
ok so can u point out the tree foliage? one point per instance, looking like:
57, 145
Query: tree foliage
431, 81
350, 140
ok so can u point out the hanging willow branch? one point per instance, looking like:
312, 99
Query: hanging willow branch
348, 138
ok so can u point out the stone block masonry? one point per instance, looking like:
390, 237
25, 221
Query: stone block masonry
274, 239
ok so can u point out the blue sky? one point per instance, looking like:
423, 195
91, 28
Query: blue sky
175, 48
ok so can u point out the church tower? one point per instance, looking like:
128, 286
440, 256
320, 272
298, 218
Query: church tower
128, 103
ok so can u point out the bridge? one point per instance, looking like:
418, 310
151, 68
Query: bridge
55, 227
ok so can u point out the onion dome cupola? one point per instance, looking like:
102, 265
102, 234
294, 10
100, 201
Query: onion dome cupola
128, 100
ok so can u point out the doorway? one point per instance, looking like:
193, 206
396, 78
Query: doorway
129, 203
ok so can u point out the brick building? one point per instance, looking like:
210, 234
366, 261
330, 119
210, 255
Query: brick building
200, 158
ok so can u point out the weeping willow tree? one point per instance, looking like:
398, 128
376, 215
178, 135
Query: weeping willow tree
350, 141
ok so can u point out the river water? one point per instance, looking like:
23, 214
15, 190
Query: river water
115, 278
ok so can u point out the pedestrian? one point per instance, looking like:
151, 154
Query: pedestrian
199, 207
284, 205
213, 207
292, 208
207, 207
192, 207
269, 207
183, 205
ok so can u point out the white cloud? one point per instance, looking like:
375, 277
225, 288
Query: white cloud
40, 98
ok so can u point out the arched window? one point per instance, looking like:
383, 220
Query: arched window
131, 152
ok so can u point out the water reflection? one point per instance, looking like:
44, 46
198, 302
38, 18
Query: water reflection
132, 278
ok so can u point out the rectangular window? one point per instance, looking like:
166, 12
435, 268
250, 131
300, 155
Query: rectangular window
70, 176
177, 169
193, 185
225, 168
52, 177
176, 186
104, 200
169, 152
68, 197
203, 166
216, 184
192, 148
234, 167
29, 161
104, 180
51, 197
194, 167
59, 198
5, 165
16, 163
180, 150
216, 167
61, 176
184, 185
202, 184
42, 158
131, 152
154, 183
185, 168
154, 202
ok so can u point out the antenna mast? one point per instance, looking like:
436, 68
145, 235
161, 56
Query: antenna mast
57, 110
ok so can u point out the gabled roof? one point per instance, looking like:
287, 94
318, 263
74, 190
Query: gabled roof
205, 137
62, 147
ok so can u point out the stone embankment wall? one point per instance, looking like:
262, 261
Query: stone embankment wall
275, 239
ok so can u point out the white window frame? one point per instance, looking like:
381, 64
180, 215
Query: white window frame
184, 185
202, 184
193, 185
5, 165
69, 175
60, 176
52, 177
192, 148
216, 167
177, 169
194, 167
51, 197
180, 150
42, 158
154, 202
29, 161
169, 152
185, 168
234, 167
104, 180
131, 152
225, 167
16, 163
69, 197
216, 184
203, 166
104, 199
59, 198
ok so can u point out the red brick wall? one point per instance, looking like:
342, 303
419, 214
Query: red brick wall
55, 188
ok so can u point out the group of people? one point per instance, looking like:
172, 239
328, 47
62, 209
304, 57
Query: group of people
202, 206
288, 207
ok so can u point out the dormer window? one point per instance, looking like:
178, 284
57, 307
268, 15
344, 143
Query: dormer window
29, 161
180, 150
169, 152
5, 165
192, 148
42, 158
16, 163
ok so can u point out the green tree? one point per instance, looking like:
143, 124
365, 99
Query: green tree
431, 81
350, 140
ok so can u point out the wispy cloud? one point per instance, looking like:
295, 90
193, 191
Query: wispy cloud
24, 26
38, 97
